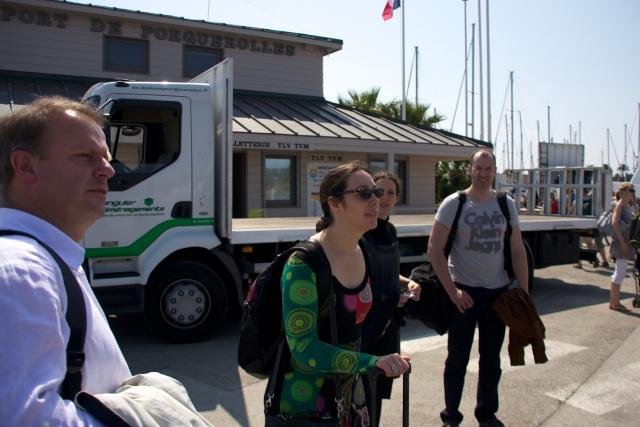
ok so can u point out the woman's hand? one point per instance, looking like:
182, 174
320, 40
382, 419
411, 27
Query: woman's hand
393, 365
414, 289
412, 292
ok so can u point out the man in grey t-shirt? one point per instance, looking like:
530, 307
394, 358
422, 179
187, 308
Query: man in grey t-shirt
473, 277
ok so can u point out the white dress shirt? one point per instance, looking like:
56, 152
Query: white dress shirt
34, 332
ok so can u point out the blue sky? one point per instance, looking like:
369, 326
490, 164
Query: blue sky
580, 57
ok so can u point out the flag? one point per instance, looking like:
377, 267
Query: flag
389, 7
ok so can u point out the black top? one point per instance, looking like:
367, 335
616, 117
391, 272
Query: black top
384, 234
384, 256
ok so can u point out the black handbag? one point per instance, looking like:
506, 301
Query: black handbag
435, 306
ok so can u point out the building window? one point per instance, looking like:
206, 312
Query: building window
195, 60
280, 175
399, 170
128, 55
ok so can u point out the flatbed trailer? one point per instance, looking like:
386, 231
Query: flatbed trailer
549, 239
269, 230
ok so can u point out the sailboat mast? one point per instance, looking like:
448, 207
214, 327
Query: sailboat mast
549, 123
580, 132
404, 95
512, 144
506, 145
466, 75
488, 75
531, 165
625, 144
473, 79
521, 142
416, 47
608, 151
480, 69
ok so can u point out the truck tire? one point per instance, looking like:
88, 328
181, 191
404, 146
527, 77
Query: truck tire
185, 301
530, 265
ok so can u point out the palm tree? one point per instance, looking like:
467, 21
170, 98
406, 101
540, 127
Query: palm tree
365, 101
416, 114
622, 174
368, 101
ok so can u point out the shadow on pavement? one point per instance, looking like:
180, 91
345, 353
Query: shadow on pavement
210, 372
554, 295
208, 369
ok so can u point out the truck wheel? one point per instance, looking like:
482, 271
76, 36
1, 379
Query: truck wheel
185, 301
530, 265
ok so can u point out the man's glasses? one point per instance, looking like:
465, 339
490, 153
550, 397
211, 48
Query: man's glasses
365, 193
631, 190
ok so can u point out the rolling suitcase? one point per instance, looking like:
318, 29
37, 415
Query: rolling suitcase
373, 379
636, 279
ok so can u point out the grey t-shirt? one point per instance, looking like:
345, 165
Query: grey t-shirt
477, 256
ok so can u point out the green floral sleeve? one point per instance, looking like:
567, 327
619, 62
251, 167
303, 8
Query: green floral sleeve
300, 314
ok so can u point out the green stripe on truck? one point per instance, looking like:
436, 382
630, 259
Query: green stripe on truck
140, 245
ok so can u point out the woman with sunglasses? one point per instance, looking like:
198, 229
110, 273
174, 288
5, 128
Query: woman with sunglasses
381, 330
306, 389
621, 248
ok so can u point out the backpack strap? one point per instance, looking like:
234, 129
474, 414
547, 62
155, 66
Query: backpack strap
76, 317
319, 262
502, 202
462, 197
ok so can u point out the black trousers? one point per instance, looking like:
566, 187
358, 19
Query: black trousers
491, 336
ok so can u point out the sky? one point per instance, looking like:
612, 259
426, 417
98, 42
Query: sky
576, 60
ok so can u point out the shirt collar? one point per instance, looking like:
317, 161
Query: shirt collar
69, 250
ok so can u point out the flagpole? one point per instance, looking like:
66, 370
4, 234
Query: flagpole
488, 77
466, 62
404, 96
480, 69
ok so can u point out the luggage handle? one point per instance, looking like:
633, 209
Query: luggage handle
373, 375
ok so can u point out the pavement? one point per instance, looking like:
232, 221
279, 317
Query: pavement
592, 377
610, 396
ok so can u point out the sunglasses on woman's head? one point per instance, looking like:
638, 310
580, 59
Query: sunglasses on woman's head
365, 193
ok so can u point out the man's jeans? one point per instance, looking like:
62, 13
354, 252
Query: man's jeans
491, 336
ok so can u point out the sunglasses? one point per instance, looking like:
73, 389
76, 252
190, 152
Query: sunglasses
365, 193
631, 190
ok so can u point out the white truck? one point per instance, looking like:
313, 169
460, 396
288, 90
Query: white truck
168, 245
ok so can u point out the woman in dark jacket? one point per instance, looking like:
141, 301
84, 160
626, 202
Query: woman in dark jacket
381, 330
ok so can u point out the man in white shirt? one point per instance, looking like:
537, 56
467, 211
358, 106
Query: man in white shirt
54, 167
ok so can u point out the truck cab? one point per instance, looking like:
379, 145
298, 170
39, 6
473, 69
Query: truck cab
160, 248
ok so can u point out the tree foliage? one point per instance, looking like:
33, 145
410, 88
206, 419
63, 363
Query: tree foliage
368, 101
451, 176
623, 174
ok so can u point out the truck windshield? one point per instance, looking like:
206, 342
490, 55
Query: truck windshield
92, 101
